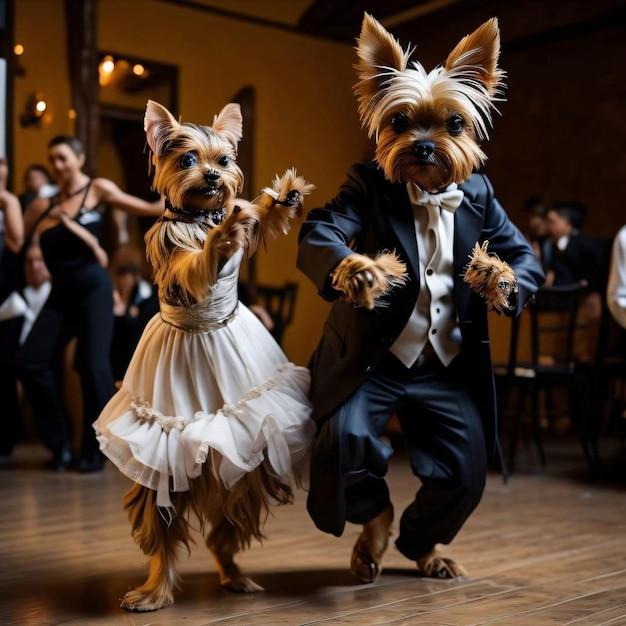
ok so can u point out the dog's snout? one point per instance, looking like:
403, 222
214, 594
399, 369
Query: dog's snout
212, 176
424, 149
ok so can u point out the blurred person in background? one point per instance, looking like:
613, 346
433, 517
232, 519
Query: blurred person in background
67, 227
538, 234
135, 302
12, 309
37, 184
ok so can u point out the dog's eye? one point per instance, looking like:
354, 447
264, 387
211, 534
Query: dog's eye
189, 159
223, 161
455, 125
400, 122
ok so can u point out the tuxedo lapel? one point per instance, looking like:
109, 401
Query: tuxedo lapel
467, 230
402, 221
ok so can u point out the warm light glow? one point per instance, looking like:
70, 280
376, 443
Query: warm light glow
107, 65
138, 69
40, 106
72, 114
18, 49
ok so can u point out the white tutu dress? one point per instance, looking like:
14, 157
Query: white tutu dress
208, 383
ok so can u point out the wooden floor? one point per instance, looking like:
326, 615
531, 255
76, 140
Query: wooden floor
548, 548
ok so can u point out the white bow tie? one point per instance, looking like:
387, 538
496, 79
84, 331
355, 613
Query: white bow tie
448, 200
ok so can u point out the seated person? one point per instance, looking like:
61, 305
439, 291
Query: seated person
37, 286
538, 234
135, 302
575, 257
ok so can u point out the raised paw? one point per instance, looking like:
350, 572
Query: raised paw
147, 599
491, 278
364, 280
293, 199
283, 201
435, 566
235, 232
289, 189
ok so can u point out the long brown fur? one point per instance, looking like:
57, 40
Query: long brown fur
186, 255
185, 259
365, 280
234, 517
490, 277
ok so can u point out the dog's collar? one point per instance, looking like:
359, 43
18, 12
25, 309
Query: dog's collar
185, 214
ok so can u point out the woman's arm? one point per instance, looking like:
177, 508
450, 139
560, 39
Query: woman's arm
98, 251
13, 221
34, 211
108, 192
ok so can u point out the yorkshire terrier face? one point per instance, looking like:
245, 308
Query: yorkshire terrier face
427, 125
195, 166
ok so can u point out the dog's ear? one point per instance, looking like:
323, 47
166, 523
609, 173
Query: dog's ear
228, 122
476, 57
379, 57
377, 51
158, 123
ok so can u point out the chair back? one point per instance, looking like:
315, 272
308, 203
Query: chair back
553, 323
279, 302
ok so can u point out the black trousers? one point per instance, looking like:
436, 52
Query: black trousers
446, 448
83, 308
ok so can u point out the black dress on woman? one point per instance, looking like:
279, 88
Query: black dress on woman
80, 304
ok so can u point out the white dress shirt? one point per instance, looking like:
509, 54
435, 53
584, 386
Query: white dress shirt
434, 317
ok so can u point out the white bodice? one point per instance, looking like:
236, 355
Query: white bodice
216, 310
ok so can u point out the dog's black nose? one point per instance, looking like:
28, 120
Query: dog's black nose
424, 149
212, 176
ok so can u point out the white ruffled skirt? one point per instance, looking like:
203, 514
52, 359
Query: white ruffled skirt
228, 397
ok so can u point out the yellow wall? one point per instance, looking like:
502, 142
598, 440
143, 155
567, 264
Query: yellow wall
305, 110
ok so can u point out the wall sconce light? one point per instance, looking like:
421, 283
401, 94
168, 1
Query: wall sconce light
34, 111
18, 51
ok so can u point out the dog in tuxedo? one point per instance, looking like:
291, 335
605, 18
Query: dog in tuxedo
401, 279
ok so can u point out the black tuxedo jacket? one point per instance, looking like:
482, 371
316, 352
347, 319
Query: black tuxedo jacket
370, 215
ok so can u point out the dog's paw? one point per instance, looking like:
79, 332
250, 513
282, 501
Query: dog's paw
284, 200
433, 565
235, 232
364, 280
241, 584
492, 278
146, 600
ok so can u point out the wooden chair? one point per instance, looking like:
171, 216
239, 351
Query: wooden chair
608, 400
552, 315
280, 303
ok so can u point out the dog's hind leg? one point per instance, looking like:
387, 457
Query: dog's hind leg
223, 541
159, 537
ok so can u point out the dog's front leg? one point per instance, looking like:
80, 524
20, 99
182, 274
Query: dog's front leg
195, 271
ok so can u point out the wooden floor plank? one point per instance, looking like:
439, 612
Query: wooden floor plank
547, 548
